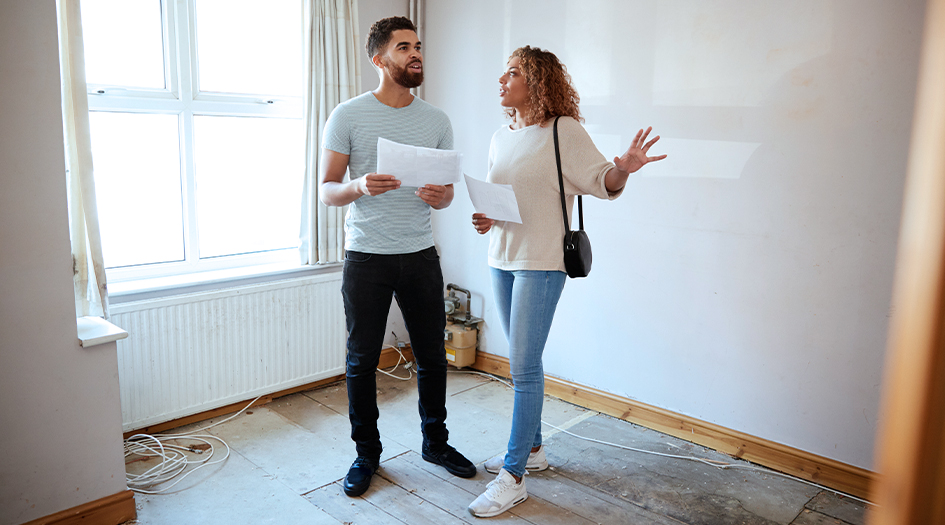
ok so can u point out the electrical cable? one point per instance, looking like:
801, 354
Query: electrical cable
408, 366
174, 458
712, 463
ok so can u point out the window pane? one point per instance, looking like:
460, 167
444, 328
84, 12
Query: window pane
137, 186
247, 46
124, 43
249, 175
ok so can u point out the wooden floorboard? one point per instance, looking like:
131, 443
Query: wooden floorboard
407, 506
810, 517
535, 509
332, 499
590, 503
588, 482
437, 491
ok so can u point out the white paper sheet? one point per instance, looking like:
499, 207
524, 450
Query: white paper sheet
415, 166
497, 201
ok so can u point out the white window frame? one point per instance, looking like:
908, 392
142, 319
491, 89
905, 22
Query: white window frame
183, 98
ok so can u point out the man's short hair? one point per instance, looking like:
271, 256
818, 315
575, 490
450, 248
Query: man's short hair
382, 31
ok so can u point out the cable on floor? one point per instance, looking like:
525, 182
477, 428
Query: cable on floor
174, 457
408, 366
712, 463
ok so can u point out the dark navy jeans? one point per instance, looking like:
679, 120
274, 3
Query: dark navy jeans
416, 282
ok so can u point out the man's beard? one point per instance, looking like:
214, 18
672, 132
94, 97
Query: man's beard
403, 76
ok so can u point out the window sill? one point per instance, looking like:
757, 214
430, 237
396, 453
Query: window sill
94, 331
155, 288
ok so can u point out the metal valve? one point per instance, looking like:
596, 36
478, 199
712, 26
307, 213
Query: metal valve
454, 313
452, 303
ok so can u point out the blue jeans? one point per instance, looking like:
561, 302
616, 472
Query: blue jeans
526, 301
416, 281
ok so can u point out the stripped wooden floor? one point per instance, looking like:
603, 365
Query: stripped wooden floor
288, 457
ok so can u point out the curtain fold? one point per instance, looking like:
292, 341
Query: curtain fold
332, 76
417, 9
91, 296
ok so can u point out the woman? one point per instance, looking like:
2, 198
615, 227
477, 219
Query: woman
526, 260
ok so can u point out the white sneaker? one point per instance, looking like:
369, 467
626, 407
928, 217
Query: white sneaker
501, 494
536, 461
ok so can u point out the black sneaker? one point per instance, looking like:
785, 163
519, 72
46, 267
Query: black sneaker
450, 459
359, 476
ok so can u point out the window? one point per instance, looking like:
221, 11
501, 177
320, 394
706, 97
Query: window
197, 133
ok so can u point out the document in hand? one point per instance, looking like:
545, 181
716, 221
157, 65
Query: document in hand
415, 166
497, 201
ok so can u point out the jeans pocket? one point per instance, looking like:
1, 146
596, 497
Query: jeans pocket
356, 257
430, 254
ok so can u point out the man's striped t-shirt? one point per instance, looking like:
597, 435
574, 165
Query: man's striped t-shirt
396, 221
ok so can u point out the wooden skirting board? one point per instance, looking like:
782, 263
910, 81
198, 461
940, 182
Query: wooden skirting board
110, 510
823, 471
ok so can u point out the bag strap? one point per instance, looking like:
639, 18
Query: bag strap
564, 206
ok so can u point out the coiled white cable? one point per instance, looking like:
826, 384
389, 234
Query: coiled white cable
174, 457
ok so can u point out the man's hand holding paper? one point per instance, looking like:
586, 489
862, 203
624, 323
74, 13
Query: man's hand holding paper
418, 167
374, 184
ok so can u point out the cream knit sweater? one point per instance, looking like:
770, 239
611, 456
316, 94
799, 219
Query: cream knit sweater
525, 158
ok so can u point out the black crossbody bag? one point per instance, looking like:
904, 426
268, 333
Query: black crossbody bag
577, 247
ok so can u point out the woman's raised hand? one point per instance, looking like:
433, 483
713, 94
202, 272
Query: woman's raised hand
482, 223
635, 157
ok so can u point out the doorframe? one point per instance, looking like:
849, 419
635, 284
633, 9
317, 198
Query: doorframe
910, 453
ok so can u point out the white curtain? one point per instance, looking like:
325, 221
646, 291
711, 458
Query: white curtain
332, 76
417, 9
91, 297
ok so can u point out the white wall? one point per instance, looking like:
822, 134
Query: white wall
60, 419
370, 11
745, 280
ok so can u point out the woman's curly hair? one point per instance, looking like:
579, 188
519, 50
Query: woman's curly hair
550, 93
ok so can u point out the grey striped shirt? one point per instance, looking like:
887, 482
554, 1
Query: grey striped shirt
396, 221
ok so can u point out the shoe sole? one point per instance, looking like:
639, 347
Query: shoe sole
467, 475
356, 493
527, 469
499, 511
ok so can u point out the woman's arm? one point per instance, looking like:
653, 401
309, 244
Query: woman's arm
631, 161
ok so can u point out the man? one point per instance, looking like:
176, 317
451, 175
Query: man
389, 246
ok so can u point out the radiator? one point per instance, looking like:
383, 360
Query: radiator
191, 353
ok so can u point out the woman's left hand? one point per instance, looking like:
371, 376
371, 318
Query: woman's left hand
481, 223
635, 157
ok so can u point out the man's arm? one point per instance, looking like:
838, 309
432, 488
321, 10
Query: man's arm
334, 192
